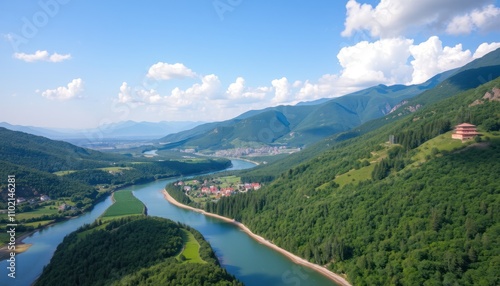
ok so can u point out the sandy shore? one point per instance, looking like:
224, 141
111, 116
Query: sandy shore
20, 246
327, 273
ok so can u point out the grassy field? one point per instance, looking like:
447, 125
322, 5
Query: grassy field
37, 223
442, 142
355, 176
191, 250
45, 210
115, 169
62, 173
229, 181
125, 204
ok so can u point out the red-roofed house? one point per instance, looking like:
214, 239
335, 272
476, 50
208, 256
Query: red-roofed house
213, 189
465, 131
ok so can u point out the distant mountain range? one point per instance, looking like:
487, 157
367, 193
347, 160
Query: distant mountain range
309, 122
121, 130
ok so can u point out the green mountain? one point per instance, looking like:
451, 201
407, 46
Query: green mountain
134, 251
48, 155
299, 125
60, 169
421, 211
445, 89
305, 124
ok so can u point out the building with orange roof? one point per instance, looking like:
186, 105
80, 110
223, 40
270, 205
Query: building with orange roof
465, 131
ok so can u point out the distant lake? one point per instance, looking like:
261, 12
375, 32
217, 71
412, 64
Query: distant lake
250, 261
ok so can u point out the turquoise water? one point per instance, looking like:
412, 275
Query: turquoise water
249, 261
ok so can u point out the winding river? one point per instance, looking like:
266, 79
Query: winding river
248, 260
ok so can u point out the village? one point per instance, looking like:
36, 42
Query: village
253, 152
216, 188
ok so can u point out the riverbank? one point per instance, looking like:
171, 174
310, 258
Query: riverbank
20, 246
246, 160
325, 272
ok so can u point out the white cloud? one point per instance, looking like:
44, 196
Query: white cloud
392, 18
42, 56
282, 92
150, 96
326, 86
430, 58
382, 61
236, 88
485, 48
385, 61
124, 96
239, 93
72, 90
165, 71
479, 19
210, 87
388, 61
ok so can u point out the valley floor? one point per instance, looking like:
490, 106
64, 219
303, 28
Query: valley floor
327, 273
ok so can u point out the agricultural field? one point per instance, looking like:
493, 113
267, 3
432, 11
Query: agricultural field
191, 250
125, 204
39, 212
115, 169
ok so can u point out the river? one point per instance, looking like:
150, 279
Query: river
248, 260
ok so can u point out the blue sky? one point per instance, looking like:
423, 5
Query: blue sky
79, 64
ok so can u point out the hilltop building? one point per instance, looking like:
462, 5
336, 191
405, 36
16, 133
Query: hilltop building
465, 131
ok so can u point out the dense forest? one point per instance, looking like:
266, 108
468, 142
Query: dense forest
132, 251
430, 222
59, 169
136, 173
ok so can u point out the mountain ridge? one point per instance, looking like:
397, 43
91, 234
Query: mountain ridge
310, 123
119, 130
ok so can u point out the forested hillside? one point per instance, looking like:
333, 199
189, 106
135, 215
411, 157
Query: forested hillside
132, 251
71, 179
59, 169
458, 82
301, 124
422, 214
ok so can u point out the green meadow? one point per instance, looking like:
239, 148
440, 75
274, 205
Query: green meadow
125, 204
191, 251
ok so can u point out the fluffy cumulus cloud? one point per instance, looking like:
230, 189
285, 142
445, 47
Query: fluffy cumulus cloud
208, 88
72, 90
326, 86
431, 58
384, 61
165, 71
241, 94
124, 96
485, 18
485, 48
282, 90
392, 18
388, 61
42, 56
369, 63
